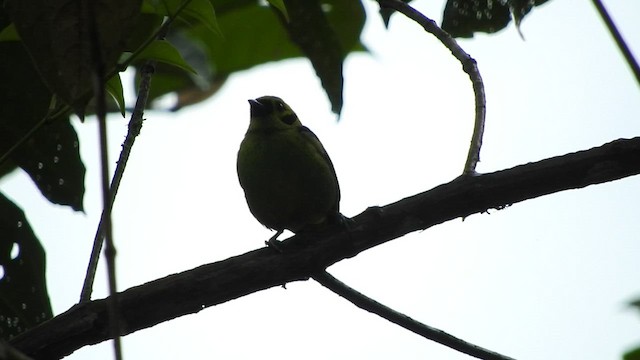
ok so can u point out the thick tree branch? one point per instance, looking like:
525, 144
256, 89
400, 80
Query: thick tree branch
191, 291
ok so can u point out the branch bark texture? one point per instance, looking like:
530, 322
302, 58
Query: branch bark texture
193, 290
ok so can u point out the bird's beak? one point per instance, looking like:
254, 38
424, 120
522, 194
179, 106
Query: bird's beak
257, 108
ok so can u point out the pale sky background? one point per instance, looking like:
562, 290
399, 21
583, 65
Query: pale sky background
545, 279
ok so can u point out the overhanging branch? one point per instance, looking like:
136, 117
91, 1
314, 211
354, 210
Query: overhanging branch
191, 291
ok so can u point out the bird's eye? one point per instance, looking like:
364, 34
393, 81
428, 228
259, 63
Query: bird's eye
289, 119
280, 106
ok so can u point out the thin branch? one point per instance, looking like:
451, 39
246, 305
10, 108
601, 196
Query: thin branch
469, 66
624, 48
192, 291
366, 303
135, 125
99, 91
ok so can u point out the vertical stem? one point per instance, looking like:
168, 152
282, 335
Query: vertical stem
622, 45
99, 74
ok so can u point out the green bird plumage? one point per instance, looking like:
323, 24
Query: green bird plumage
288, 179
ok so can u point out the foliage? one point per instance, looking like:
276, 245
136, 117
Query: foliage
48, 51
24, 301
47, 67
462, 18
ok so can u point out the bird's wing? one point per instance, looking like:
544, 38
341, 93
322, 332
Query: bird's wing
305, 131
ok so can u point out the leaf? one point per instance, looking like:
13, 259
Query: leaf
520, 8
163, 51
203, 12
462, 18
347, 18
310, 29
52, 160
146, 26
243, 22
9, 33
24, 300
51, 156
279, 4
195, 11
632, 354
114, 88
257, 34
58, 37
254, 34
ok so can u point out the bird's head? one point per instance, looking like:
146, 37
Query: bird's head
271, 113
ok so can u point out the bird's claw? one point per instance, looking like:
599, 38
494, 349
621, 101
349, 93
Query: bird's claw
274, 244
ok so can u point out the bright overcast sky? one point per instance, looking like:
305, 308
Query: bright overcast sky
545, 279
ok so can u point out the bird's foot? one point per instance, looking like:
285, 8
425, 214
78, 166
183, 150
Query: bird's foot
274, 243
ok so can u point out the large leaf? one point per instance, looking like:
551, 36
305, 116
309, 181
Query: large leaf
188, 11
52, 159
279, 4
58, 36
51, 155
164, 51
462, 18
309, 27
254, 34
24, 300
146, 27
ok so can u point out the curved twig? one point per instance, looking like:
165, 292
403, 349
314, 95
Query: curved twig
469, 66
366, 303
